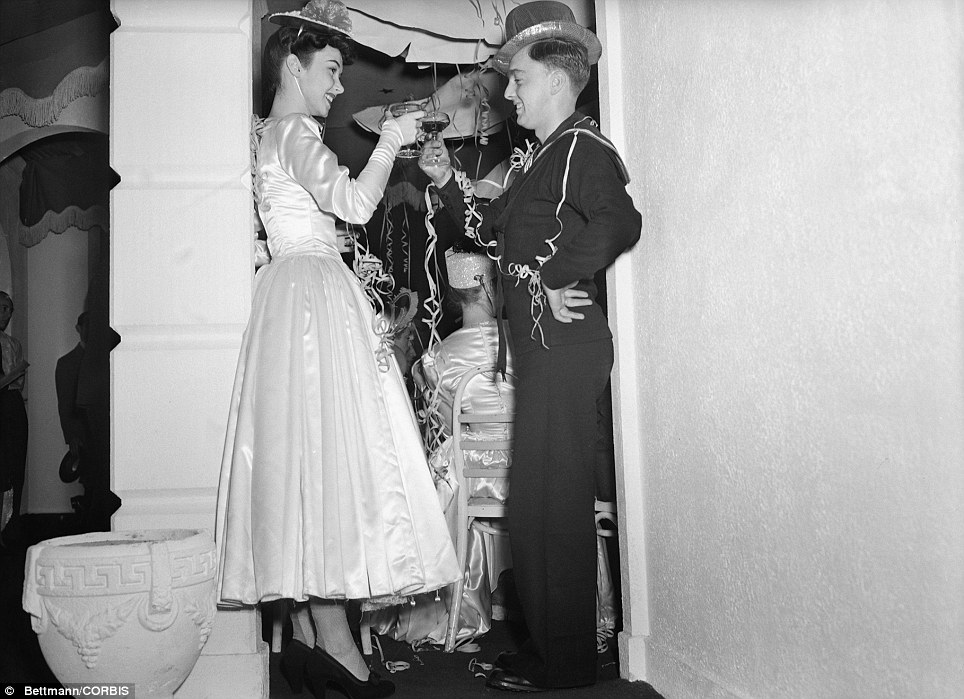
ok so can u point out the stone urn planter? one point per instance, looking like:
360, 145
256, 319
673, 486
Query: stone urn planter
123, 607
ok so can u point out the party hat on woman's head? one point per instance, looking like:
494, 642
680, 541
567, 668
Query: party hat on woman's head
330, 14
468, 269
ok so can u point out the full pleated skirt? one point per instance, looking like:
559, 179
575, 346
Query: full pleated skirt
324, 487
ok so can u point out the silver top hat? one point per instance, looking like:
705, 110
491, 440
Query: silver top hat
540, 20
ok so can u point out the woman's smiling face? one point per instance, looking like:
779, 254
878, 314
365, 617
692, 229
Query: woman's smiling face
320, 80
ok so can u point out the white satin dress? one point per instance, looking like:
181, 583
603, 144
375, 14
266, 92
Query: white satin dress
324, 490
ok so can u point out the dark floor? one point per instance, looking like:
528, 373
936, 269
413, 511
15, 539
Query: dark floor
431, 675
20, 656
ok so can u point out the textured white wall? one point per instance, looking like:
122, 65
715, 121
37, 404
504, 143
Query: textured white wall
800, 344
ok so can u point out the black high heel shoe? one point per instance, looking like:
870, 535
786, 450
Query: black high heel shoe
324, 670
293, 661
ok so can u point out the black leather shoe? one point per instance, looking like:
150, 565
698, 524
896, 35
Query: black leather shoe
293, 660
500, 679
323, 670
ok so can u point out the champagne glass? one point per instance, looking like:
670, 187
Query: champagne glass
409, 150
431, 127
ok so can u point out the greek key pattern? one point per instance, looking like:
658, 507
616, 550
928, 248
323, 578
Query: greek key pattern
119, 575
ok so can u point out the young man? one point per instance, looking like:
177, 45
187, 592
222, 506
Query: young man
565, 216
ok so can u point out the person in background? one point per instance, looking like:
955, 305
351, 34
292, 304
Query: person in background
13, 427
471, 282
325, 494
565, 216
73, 421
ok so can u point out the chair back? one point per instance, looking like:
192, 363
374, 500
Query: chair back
468, 507
462, 442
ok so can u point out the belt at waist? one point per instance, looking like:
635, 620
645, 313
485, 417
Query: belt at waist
332, 253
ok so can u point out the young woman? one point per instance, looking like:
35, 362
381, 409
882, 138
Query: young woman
325, 493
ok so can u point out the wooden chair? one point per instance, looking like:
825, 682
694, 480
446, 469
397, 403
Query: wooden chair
470, 508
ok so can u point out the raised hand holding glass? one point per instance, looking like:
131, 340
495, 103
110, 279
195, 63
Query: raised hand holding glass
432, 125
409, 150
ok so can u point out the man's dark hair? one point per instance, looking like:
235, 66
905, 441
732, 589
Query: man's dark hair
568, 56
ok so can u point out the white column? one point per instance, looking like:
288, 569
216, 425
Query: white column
181, 227
622, 304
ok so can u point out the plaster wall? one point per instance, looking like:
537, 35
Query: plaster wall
798, 345
56, 285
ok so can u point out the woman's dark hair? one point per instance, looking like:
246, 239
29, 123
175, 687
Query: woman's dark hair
288, 41
457, 298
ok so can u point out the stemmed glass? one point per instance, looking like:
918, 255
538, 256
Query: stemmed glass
431, 127
409, 150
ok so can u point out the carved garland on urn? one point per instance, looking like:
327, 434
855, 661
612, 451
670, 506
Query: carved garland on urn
171, 580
